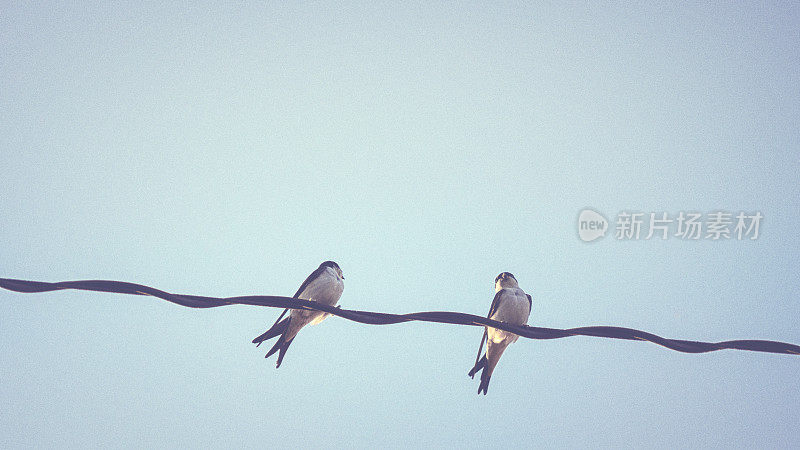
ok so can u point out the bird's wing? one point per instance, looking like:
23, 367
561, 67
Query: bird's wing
478, 360
530, 302
303, 286
498, 298
310, 278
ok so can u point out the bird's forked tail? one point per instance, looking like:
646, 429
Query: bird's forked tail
280, 346
494, 350
279, 328
479, 364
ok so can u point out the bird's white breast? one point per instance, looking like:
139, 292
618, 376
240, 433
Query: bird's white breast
327, 288
513, 308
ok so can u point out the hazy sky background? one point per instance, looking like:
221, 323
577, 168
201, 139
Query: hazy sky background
229, 149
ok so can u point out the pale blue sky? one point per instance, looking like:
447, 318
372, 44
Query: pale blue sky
229, 149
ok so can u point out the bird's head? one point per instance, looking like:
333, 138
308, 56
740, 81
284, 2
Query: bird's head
505, 280
333, 266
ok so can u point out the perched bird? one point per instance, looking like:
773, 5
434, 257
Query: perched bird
324, 285
512, 305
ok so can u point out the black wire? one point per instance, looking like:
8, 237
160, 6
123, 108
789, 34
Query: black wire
376, 318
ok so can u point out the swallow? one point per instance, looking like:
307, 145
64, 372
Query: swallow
324, 285
511, 305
